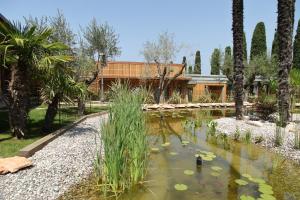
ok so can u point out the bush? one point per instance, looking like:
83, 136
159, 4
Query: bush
206, 98
265, 106
124, 143
175, 98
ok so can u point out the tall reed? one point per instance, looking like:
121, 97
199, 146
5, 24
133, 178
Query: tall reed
124, 143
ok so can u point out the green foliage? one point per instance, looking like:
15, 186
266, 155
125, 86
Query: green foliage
245, 53
212, 128
248, 136
175, 98
275, 47
297, 137
258, 44
205, 98
190, 69
279, 132
237, 134
215, 62
227, 67
124, 144
266, 105
197, 68
296, 50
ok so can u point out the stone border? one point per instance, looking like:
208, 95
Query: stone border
39, 144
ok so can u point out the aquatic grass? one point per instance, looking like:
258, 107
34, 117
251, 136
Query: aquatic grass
236, 134
248, 136
124, 144
279, 131
297, 137
212, 128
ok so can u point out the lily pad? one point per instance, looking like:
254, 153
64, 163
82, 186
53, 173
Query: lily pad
155, 150
247, 176
258, 180
206, 158
267, 197
265, 189
165, 144
241, 182
173, 153
246, 197
184, 142
215, 174
180, 187
188, 172
216, 168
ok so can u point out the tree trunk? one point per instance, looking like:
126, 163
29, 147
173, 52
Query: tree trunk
50, 114
18, 99
237, 27
81, 106
285, 22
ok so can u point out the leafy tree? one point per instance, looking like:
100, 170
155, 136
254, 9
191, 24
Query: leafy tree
245, 52
275, 46
26, 50
102, 42
215, 62
162, 52
296, 50
227, 67
190, 70
286, 10
237, 28
197, 68
258, 44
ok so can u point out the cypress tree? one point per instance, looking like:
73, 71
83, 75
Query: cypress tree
190, 69
215, 62
197, 68
296, 50
227, 68
258, 43
245, 53
275, 46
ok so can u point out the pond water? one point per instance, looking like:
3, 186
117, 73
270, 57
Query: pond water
229, 170
214, 179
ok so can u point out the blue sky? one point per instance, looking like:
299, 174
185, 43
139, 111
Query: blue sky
198, 24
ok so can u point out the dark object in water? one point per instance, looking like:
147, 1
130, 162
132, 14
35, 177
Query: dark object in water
199, 161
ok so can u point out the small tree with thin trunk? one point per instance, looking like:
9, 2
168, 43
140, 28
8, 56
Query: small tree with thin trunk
197, 68
215, 62
162, 53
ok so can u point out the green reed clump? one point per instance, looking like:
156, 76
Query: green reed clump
248, 136
236, 134
124, 142
297, 137
279, 135
212, 128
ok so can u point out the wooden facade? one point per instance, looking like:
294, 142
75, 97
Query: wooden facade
190, 86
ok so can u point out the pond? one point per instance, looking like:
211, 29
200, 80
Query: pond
229, 170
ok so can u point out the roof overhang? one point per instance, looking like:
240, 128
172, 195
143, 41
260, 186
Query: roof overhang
208, 79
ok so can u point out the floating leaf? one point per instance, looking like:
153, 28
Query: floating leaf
197, 155
247, 176
267, 197
241, 182
206, 158
180, 187
188, 172
165, 144
216, 168
173, 153
246, 197
155, 150
215, 174
184, 142
265, 189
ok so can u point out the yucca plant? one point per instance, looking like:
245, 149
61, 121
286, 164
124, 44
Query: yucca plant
125, 146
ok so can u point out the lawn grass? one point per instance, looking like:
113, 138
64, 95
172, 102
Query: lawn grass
10, 146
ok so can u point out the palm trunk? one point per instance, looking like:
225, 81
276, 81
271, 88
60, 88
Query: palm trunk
18, 99
81, 106
237, 27
51, 113
285, 30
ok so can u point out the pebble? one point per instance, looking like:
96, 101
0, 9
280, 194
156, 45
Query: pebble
64, 162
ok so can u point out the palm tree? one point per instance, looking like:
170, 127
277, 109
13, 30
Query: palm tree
59, 86
24, 49
285, 22
237, 28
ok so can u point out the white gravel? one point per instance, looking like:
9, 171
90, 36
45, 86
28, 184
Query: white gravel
267, 131
62, 163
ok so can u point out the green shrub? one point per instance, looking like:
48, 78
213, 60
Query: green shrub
205, 98
175, 98
248, 136
124, 143
266, 105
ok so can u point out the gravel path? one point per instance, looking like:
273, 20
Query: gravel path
267, 130
62, 163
